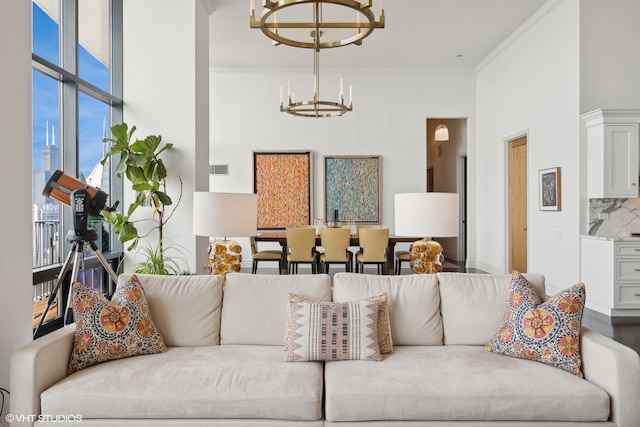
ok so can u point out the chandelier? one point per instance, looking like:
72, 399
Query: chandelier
316, 108
342, 22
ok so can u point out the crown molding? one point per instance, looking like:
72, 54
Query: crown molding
519, 32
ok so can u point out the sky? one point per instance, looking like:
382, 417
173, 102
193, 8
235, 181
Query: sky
93, 115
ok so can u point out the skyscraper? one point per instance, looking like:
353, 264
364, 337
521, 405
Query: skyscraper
45, 211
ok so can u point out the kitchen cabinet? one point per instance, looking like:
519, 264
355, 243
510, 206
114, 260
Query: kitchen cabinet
610, 270
612, 153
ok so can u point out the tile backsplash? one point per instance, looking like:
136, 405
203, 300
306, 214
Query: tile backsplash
623, 217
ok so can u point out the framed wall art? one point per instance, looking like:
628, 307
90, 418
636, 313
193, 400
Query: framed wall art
282, 182
352, 187
549, 188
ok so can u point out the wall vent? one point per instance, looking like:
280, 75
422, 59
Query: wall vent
219, 169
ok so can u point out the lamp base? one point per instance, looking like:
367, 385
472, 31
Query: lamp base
426, 257
225, 256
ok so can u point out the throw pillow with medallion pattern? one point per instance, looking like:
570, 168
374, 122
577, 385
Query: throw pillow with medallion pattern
109, 330
547, 332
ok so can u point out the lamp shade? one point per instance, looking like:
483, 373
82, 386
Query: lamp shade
427, 214
224, 214
442, 132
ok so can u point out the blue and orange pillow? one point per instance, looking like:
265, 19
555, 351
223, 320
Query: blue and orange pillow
547, 332
112, 329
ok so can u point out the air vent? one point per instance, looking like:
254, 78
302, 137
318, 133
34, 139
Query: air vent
219, 169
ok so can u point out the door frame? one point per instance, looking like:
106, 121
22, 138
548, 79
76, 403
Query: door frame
462, 192
506, 141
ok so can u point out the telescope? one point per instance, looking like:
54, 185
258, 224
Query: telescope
84, 201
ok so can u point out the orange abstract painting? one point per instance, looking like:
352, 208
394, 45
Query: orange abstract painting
282, 181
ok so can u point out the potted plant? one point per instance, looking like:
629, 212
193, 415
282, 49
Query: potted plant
140, 161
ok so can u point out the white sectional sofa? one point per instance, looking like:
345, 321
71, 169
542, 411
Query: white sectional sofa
225, 363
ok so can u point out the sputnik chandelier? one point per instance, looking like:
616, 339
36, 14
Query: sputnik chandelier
331, 23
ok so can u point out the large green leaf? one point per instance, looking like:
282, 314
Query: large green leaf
143, 186
167, 146
144, 198
121, 167
139, 147
160, 171
132, 207
152, 141
164, 198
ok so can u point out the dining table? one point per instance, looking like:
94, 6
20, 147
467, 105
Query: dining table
280, 237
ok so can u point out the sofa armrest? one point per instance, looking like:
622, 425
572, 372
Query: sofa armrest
615, 368
36, 366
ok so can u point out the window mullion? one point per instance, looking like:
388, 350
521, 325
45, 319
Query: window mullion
69, 101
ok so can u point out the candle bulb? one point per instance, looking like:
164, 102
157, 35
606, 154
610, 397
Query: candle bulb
252, 6
340, 87
289, 88
350, 95
280, 95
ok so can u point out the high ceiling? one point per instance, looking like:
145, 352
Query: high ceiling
418, 34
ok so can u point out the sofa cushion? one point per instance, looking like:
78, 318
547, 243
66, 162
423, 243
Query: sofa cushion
255, 305
413, 304
385, 341
546, 332
458, 383
322, 330
186, 309
472, 305
228, 382
109, 330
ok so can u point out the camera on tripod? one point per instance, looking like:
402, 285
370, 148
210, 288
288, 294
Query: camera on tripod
84, 201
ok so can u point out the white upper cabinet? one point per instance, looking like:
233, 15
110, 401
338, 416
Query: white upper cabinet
612, 153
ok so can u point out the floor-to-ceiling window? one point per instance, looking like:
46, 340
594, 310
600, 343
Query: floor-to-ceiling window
77, 95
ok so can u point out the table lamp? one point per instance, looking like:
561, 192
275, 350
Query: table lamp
223, 215
426, 214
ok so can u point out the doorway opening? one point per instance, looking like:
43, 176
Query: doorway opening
446, 172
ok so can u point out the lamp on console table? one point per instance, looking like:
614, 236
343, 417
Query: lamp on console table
426, 214
224, 214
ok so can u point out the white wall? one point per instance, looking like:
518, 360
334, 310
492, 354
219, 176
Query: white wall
166, 91
531, 85
609, 54
15, 173
390, 108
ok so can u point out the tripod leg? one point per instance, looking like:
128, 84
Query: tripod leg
74, 278
54, 292
104, 262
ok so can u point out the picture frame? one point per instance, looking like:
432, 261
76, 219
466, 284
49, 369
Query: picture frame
352, 187
549, 187
282, 182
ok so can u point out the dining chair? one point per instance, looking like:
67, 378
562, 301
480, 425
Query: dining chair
268, 255
363, 226
401, 256
335, 242
301, 247
373, 249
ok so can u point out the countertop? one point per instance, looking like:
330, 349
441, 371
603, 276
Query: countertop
612, 238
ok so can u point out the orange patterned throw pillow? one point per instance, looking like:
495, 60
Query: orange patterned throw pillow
547, 332
109, 330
